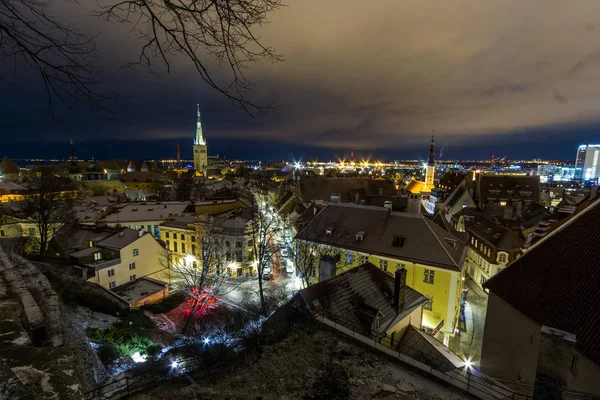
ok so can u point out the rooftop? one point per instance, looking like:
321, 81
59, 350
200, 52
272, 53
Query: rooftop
139, 289
366, 289
555, 283
404, 236
148, 211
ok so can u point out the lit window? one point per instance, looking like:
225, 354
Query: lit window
111, 272
503, 203
131, 266
131, 278
383, 265
136, 252
97, 256
428, 276
112, 285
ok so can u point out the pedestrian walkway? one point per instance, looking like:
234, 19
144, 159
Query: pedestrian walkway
468, 343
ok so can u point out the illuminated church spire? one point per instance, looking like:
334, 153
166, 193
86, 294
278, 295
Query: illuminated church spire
200, 147
199, 138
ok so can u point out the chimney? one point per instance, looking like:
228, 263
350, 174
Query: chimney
327, 267
399, 290
388, 204
518, 207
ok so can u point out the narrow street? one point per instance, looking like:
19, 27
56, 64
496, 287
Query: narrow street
470, 340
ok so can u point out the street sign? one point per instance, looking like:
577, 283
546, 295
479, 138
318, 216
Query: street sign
437, 328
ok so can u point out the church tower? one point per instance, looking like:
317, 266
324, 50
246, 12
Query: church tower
430, 169
200, 147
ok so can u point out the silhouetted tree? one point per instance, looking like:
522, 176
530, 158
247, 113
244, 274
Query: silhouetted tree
49, 203
200, 30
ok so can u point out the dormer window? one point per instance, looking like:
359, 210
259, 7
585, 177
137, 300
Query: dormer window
502, 258
360, 235
398, 241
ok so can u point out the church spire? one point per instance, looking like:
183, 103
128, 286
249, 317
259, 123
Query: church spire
72, 157
199, 138
431, 161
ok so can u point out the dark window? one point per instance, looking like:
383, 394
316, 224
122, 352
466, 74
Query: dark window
193, 249
183, 247
239, 256
574, 365
238, 245
398, 241
193, 238
167, 235
182, 236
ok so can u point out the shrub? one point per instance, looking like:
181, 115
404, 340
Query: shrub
126, 341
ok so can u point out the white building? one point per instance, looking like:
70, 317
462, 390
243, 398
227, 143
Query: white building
587, 165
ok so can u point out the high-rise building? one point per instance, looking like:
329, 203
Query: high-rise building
587, 165
200, 147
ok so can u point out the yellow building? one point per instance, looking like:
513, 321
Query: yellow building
432, 257
231, 232
121, 257
218, 206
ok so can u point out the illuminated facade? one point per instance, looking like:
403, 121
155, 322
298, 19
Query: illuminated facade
587, 166
200, 147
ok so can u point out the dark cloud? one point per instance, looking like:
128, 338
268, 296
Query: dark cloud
358, 75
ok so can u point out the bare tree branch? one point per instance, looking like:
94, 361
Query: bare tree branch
194, 28
62, 55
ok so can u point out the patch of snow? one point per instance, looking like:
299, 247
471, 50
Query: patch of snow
74, 387
7, 333
30, 376
69, 372
22, 340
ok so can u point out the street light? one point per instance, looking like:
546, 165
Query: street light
174, 364
206, 340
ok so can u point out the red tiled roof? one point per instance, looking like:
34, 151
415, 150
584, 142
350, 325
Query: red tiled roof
556, 283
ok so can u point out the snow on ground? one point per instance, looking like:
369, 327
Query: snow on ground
313, 363
93, 319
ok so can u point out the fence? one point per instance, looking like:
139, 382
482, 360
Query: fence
465, 378
150, 374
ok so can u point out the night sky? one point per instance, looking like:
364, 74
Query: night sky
508, 78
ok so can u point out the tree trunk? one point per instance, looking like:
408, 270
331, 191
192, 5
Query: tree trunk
263, 306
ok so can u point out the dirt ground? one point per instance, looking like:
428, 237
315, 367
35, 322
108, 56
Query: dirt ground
312, 364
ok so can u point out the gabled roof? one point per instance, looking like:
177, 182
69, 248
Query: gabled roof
71, 238
8, 167
556, 282
320, 188
451, 180
120, 239
494, 234
422, 240
415, 186
355, 297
